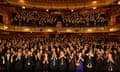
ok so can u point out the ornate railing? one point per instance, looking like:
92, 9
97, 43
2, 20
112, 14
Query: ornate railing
63, 29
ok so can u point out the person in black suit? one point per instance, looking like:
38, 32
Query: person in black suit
1, 60
53, 62
18, 63
38, 62
110, 63
62, 62
118, 60
7, 61
99, 62
71, 65
28, 65
45, 63
89, 62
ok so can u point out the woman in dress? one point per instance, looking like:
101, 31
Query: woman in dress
79, 63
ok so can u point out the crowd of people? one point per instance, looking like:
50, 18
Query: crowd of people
59, 54
32, 18
86, 20
45, 19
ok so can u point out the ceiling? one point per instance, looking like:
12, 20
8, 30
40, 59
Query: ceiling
61, 4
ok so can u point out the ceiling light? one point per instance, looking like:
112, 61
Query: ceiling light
22, 1
5, 27
111, 29
26, 29
94, 2
94, 7
47, 10
118, 2
68, 30
89, 30
23, 7
49, 30
72, 10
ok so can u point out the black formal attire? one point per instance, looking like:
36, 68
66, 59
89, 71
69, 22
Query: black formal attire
62, 65
118, 62
89, 64
99, 65
53, 64
29, 65
45, 67
38, 65
110, 67
72, 66
115, 58
8, 64
18, 65
2, 68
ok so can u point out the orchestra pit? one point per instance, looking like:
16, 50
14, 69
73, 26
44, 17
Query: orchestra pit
59, 35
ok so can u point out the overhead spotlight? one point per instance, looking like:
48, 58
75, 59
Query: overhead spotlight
23, 7
47, 10
94, 8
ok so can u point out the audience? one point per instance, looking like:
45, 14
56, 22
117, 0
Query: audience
32, 18
85, 20
44, 19
59, 54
